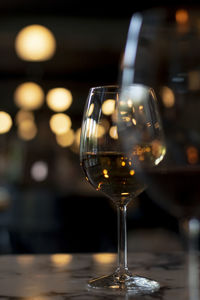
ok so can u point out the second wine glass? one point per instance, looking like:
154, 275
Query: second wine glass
110, 170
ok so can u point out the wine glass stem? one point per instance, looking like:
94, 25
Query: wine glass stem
193, 268
122, 239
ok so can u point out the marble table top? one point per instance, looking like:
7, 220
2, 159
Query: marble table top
65, 276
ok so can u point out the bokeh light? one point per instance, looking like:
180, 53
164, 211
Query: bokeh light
100, 131
35, 43
29, 96
39, 171
182, 16
27, 130
66, 139
168, 97
108, 107
23, 115
5, 122
60, 123
113, 132
90, 110
59, 99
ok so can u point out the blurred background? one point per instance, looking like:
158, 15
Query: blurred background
58, 50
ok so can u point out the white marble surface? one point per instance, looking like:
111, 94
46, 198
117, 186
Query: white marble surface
43, 277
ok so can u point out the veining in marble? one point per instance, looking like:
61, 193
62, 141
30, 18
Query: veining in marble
45, 277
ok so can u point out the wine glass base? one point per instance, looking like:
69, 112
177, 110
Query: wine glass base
126, 282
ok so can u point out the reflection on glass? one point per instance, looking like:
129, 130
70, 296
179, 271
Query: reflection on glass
5, 122
29, 96
113, 132
35, 43
59, 99
108, 107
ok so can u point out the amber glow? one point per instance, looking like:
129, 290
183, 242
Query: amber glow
105, 173
77, 136
23, 115
168, 97
182, 16
25, 259
90, 110
60, 123
5, 122
59, 99
100, 130
27, 130
61, 260
113, 132
192, 155
66, 139
108, 107
104, 258
35, 43
132, 172
29, 96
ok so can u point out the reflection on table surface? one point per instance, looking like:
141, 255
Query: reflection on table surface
65, 275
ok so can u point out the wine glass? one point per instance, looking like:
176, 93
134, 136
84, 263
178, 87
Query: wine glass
106, 167
163, 51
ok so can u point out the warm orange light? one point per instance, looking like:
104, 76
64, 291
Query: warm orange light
104, 258
192, 155
60, 123
90, 110
134, 121
182, 16
5, 122
27, 130
23, 115
59, 99
168, 97
60, 260
100, 130
108, 107
35, 43
66, 139
29, 96
113, 132
25, 259
77, 136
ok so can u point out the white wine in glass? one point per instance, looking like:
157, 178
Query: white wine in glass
109, 169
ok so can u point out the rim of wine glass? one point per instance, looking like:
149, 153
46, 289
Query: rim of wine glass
114, 88
106, 88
